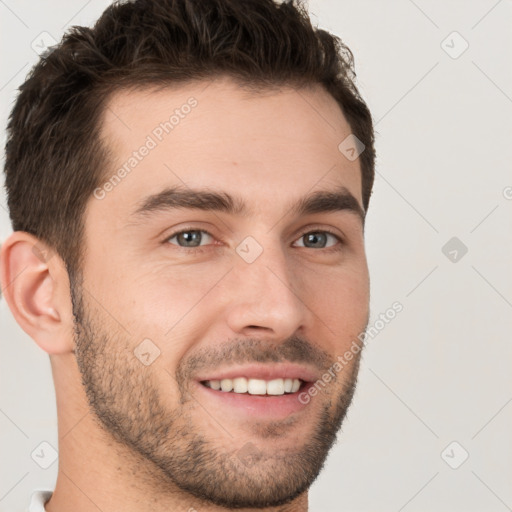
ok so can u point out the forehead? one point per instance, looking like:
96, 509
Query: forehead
216, 135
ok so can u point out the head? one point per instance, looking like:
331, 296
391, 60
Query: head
180, 191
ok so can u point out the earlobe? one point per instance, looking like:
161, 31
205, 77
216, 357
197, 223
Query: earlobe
35, 285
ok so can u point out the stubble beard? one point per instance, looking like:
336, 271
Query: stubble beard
124, 397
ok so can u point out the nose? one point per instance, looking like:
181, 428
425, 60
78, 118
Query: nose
264, 297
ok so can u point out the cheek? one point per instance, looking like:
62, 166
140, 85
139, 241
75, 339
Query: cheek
340, 300
162, 304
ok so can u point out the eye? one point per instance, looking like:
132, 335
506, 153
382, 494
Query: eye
194, 239
319, 239
190, 238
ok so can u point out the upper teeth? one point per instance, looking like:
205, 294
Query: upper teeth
256, 386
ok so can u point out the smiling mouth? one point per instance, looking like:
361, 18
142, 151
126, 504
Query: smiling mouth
260, 387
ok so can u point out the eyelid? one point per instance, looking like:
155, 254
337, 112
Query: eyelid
323, 230
199, 248
302, 232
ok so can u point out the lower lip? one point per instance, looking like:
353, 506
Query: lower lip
260, 406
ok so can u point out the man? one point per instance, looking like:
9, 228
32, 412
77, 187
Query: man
187, 183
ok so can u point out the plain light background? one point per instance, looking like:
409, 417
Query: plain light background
436, 384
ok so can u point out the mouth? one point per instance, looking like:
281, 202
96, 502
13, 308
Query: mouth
258, 391
258, 387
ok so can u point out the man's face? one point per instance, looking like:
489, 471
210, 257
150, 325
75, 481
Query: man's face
261, 294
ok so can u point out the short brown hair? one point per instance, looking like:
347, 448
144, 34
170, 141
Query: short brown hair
54, 157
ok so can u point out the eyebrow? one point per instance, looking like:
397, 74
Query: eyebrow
173, 198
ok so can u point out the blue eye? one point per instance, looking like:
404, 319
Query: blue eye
195, 240
189, 238
318, 239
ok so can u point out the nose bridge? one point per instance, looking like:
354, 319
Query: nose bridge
264, 293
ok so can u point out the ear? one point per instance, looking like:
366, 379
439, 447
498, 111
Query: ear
35, 284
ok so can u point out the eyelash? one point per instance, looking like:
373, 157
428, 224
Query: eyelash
202, 249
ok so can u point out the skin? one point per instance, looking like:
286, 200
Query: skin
137, 437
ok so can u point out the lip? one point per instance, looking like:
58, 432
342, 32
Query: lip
264, 372
244, 405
